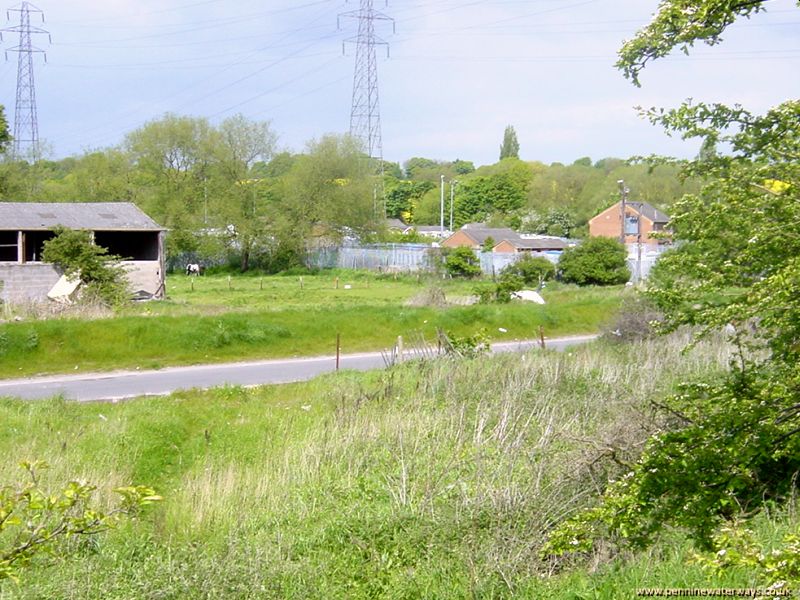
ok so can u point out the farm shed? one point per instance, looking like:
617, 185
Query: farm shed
119, 227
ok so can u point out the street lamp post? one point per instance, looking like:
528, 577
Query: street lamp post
441, 206
453, 184
623, 192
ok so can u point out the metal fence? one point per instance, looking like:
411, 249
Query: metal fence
376, 257
405, 258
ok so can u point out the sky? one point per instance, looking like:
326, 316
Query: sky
457, 72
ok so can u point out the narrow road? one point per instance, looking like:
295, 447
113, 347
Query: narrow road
120, 385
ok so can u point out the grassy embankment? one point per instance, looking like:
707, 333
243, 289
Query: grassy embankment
431, 480
247, 318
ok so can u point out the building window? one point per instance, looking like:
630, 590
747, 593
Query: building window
34, 244
631, 224
8, 246
130, 245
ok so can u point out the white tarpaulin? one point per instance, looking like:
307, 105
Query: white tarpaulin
528, 296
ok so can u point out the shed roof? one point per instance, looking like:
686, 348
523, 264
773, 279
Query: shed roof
538, 243
395, 224
481, 234
95, 216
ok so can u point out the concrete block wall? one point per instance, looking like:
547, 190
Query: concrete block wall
144, 275
28, 282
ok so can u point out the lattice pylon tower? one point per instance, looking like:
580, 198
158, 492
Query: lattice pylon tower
365, 114
26, 123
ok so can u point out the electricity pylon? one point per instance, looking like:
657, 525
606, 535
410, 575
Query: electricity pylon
26, 124
365, 114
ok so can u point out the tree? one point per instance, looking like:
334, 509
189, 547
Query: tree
596, 261
402, 196
510, 146
555, 222
500, 190
584, 161
238, 144
679, 24
327, 193
102, 177
413, 165
463, 167
5, 134
708, 150
734, 442
172, 156
280, 164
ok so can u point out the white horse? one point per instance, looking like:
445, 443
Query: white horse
193, 269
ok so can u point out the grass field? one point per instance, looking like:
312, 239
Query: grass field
430, 480
216, 319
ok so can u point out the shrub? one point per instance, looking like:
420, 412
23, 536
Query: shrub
36, 523
462, 262
73, 252
597, 261
508, 284
636, 320
531, 269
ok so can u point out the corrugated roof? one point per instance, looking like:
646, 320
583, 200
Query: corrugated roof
96, 216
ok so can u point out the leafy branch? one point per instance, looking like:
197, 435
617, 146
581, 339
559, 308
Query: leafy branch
35, 523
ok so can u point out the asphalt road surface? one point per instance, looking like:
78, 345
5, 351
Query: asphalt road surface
121, 385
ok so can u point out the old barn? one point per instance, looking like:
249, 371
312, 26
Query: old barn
119, 227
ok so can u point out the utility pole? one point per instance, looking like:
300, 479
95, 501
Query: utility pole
26, 124
453, 184
623, 191
441, 205
639, 244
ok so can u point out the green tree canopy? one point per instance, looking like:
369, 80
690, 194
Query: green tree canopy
597, 261
680, 24
510, 145
5, 134
734, 443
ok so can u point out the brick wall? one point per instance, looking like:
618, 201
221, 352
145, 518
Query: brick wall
607, 224
459, 238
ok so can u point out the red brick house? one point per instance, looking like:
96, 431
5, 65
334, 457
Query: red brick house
641, 218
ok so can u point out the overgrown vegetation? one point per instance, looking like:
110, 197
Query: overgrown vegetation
436, 479
36, 525
73, 252
731, 449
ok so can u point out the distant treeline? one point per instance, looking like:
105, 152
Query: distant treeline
224, 189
